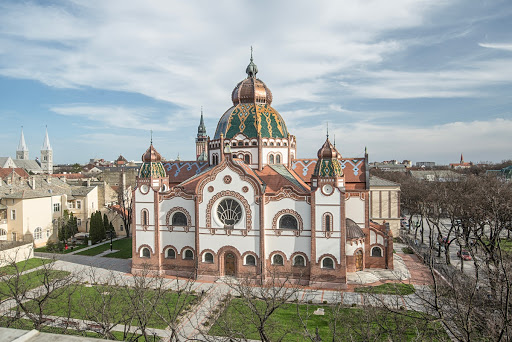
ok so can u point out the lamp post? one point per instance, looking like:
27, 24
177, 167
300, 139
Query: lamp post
111, 233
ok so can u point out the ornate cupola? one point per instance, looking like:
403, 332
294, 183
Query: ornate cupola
328, 167
152, 172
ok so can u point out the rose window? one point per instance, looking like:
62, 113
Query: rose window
229, 212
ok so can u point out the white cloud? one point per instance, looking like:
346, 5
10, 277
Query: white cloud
507, 47
479, 141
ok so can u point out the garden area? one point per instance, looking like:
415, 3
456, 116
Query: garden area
293, 322
122, 246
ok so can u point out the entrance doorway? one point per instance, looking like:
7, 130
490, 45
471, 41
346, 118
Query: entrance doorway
230, 264
359, 260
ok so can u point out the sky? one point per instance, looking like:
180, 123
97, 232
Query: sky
420, 80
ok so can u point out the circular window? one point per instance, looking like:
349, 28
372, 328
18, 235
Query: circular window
229, 212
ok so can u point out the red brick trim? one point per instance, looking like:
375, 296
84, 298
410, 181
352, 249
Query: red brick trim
228, 193
143, 223
144, 246
306, 259
182, 255
177, 191
164, 251
255, 257
327, 234
300, 225
168, 220
327, 255
271, 258
208, 251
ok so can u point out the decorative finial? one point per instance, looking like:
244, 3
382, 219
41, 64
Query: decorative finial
327, 129
252, 69
334, 140
151, 137
365, 150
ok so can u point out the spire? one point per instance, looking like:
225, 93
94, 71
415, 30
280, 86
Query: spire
327, 129
22, 146
201, 129
151, 141
252, 69
46, 143
461, 159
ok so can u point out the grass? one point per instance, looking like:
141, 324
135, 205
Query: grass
407, 250
29, 281
123, 245
506, 245
26, 324
23, 266
82, 296
69, 250
354, 323
388, 288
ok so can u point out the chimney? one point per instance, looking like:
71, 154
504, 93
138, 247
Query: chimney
1, 181
88, 182
32, 182
63, 179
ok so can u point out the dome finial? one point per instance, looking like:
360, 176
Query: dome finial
327, 129
151, 141
252, 69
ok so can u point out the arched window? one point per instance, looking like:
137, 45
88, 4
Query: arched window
250, 260
285, 144
288, 222
145, 253
229, 212
271, 144
179, 219
189, 255
241, 156
278, 159
144, 217
247, 159
246, 143
38, 233
3, 232
170, 254
328, 222
254, 143
278, 144
208, 258
277, 260
164, 187
264, 143
271, 159
376, 252
299, 261
234, 143
328, 263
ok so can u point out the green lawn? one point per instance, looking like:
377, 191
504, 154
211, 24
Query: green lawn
388, 288
123, 245
354, 324
506, 245
82, 296
26, 324
69, 250
23, 266
28, 281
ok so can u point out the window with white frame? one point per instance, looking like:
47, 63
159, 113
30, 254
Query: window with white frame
38, 233
71, 205
13, 214
56, 207
299, 261
250, 260
376, 252
79, 204
48, 233
188, 255
208, 258
328, 263
145, 253
79, 222
277, 260
170, 254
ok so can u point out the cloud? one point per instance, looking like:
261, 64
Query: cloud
479, 140
507, 47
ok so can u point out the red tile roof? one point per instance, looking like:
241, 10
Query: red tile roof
4, 172
353, 169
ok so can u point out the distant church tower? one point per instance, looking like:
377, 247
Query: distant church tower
47, 155
22, 151
201, 141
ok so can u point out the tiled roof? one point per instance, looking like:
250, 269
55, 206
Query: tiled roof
30, 165
377, 181
5, 172
43, 188
353, 169
81, 190
180, 171
276, 178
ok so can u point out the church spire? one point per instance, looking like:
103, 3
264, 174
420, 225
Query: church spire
22, 146
46, 143
22, 151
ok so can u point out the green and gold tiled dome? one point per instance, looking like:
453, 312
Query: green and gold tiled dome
251, 113
328, 164
152, 167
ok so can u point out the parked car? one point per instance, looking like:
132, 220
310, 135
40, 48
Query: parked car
464, 254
